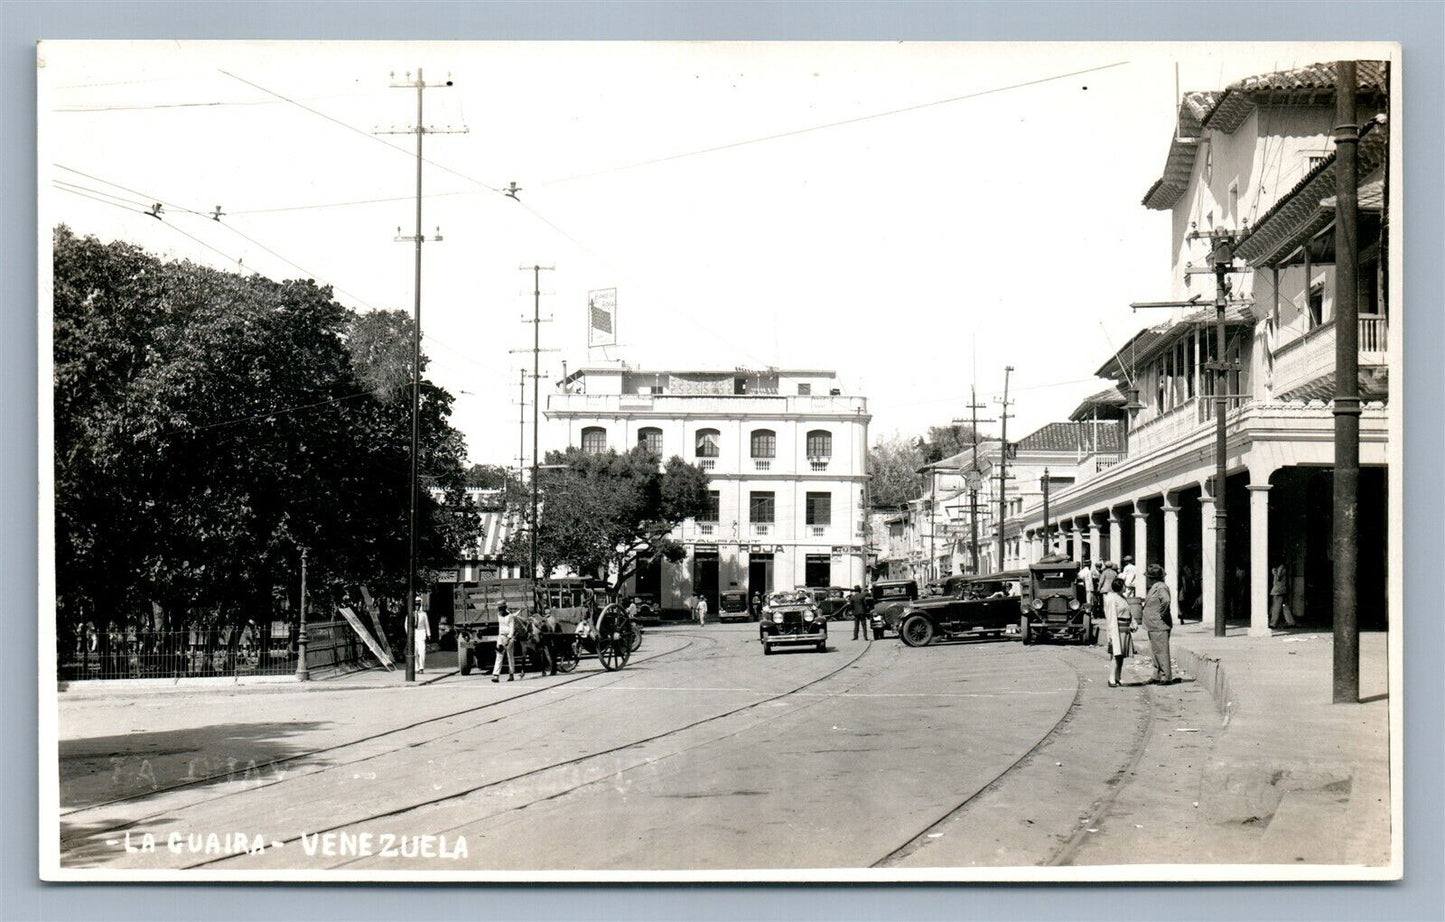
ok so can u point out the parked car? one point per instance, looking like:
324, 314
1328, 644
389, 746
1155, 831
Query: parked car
930, 619
831, 602
1051, 607
648, 610
732, 605
886, 600
791, 619
1007, 583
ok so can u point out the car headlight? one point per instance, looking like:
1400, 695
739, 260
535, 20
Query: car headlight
1073, 604
809, 615
1038, 604
777, 617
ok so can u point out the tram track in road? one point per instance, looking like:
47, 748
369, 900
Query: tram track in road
568, 763
1062, 852
90, 834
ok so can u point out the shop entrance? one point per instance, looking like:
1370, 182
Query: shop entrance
760, 573
704, 576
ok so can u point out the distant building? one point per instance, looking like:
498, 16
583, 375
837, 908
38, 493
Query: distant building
786, 454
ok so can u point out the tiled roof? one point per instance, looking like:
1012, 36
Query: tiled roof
1179, 163
1074, 436
1226, 111
1302, 211
1311, 83
1109, 397
1149, 341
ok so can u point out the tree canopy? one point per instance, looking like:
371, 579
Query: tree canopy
208, 425
611, 513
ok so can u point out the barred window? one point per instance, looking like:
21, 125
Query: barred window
820, 509
707, 443
820, 443
594, 440
651, 437
761, 506
764, 443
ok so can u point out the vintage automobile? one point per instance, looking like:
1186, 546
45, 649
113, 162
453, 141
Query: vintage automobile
956, 618
832, 602
1051, 607
886, 600
649, 612
791, 619
1008, 583
732, 605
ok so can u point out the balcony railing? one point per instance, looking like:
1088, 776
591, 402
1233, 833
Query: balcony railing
1311, 358
761, 528
707, 464
762, 464
818, 464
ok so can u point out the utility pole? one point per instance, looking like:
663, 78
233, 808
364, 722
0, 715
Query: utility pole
1347, 391
303, 672
1004, 417
521, 426
971, 476
419, 129
1048, 531
536, 321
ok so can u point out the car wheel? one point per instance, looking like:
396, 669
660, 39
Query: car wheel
767, 649
1026, 633
916, 631
878, 633
464, 659
823, 646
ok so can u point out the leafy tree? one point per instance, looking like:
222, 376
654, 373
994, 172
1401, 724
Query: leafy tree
893, 464
488, 476
609, 512
208, 425
946, 441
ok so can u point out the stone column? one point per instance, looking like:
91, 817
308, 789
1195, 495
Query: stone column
1036, 546
1206, 558
1096, 540
1171, 551
1078, 535
1116, 539
1259, 559
1141, 545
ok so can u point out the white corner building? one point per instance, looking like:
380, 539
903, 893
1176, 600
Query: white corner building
785, 453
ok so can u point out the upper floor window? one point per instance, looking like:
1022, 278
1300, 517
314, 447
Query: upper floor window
714, 506
1316, 305
820, 444
707, 443
594, 440
651, 438
764, 443
820, 509
761, 508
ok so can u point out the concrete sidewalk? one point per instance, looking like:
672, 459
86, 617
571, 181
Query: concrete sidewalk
1314, 774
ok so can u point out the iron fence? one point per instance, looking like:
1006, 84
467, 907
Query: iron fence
144, 654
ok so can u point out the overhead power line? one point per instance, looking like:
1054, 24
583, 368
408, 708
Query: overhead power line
847, 121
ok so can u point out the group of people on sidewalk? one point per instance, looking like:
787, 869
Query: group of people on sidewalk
1156, 616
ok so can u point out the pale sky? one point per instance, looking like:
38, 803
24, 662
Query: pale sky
994, 212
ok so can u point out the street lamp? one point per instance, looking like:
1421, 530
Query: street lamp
302, 672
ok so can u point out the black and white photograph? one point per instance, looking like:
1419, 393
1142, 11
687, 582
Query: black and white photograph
671, 461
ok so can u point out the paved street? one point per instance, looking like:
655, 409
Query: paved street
702, 754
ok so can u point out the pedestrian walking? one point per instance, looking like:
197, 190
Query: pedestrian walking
506, 643
692, 606
1158, 621
1278, 589
701, 611
757, 606
1119, 624
859, 609
421, 633
1132, 582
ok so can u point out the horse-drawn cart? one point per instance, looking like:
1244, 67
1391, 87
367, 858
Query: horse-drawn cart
559, 620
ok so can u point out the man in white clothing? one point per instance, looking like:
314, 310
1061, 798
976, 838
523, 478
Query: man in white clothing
421, 633
1133, 585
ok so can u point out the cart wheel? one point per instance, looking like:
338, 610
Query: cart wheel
916, 631
567, 657
612, 639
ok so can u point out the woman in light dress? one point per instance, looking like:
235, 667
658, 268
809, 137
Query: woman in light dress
1120, 625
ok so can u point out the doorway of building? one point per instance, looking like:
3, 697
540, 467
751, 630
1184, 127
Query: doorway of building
817, 571
760, 574
704, 577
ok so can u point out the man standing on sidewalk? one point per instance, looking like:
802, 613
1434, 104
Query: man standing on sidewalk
1158, 621
701, 610
422, 633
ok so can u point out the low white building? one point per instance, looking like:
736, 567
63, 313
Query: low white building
786, 454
